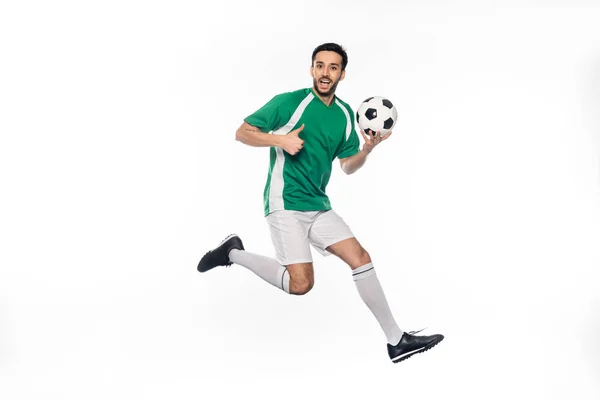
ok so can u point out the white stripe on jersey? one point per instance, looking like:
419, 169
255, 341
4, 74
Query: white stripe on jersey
348, 121
276, 184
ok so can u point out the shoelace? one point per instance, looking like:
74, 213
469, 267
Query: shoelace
414, 332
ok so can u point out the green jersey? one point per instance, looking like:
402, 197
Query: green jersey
298, 182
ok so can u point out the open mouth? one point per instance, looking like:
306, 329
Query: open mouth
324, 83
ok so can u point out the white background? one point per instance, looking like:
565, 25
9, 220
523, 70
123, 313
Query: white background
119, 170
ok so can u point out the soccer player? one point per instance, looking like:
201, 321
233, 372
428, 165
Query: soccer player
306, 131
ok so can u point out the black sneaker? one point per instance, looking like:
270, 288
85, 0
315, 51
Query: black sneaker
220, 255
411, 344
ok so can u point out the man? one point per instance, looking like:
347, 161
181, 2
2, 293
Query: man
306, 130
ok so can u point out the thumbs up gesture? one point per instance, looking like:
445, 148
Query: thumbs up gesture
291, 142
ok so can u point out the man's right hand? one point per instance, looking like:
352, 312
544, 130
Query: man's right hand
291, 142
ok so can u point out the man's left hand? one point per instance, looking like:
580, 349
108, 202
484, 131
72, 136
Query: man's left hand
373, 140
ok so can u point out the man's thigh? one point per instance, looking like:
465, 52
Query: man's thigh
351, 252
290, 238
327, 229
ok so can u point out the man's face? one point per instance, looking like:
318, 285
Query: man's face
327, 72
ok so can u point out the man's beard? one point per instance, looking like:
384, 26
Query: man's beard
329, 92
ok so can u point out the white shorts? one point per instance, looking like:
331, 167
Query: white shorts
293, 232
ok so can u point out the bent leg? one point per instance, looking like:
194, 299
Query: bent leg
291, 270
266, 268
293, 279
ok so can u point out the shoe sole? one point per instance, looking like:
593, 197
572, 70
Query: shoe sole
409, 355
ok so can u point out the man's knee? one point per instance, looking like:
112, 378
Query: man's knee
351, 252
364, 257
301, 286
301, 278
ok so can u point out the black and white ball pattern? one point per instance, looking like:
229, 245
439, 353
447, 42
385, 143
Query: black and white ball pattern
376, 114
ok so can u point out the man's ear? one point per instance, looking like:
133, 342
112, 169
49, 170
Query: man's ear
343, 75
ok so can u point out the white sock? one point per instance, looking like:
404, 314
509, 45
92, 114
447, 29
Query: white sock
371, 292
266, 268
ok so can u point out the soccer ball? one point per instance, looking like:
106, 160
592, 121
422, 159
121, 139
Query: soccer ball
376, 114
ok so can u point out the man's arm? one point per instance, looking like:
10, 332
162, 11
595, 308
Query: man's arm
252, 136
353, 163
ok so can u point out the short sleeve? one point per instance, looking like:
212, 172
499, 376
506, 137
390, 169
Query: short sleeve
268, 117
352, 144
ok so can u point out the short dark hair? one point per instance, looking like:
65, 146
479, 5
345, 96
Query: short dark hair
332, 47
